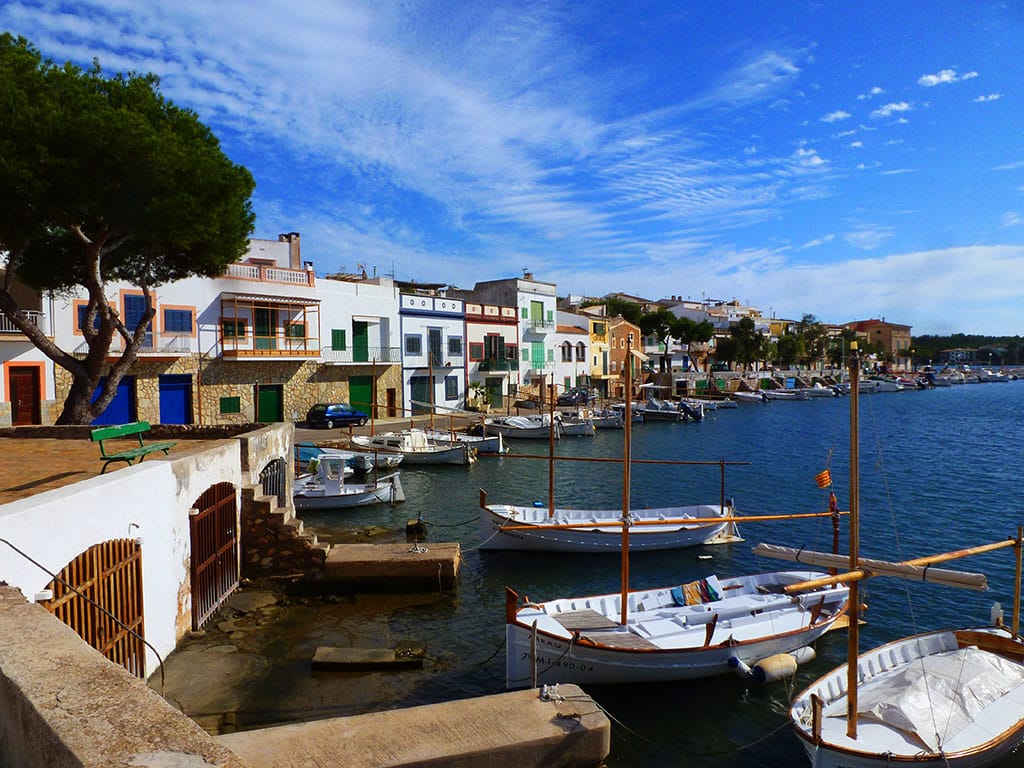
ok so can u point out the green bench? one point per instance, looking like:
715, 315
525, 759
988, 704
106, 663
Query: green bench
128, 455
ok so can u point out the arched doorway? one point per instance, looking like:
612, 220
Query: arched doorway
99, 595
213, 532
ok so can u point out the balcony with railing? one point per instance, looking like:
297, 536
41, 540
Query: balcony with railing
498, 366
35, 317
536, 324
267, 274
275, 344
361, 356
173, 346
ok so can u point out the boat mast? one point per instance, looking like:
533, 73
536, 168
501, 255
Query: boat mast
626, 451
853, 638
551, 445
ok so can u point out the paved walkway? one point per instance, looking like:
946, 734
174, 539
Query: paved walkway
32, 465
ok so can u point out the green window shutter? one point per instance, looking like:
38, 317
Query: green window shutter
526, 355
338, 339
551, 316
526, 313
551, 355
231, 405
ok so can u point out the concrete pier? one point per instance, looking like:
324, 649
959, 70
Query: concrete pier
518, 728
393, 567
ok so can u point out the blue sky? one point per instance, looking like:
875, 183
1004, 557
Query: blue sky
846, 160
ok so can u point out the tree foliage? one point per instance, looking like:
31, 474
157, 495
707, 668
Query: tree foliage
104, 180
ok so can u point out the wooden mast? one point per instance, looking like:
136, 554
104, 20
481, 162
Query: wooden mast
853, 639
551, 446
626, 451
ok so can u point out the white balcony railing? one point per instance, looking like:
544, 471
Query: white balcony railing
270, 274
35, 317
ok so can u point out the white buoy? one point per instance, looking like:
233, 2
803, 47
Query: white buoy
740, 667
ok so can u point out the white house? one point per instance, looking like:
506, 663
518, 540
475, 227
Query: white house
432, 329
492, 340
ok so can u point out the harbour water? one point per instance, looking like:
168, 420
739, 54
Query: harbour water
939, 471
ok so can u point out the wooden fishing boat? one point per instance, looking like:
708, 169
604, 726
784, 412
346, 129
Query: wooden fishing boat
518, 427
681, 632
327, 488
950, 698
415, 448
509, 526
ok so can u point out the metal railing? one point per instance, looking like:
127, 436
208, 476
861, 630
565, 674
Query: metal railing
367, 355
34, 316
151, 345
508, 364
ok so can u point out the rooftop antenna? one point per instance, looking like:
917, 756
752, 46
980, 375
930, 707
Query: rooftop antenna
525, 270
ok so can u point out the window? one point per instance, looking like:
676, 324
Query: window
581, 352
455, 346
526, 355
451, 387
551, 355
510, 352
436, 353
476, 350
414, 344
177, 320
525, 313
297, 330
599, 329
551, 317
81, 317
232, 327
338, 339
566, 352
230, 405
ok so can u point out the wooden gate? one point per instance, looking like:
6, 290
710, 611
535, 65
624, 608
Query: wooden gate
213, 526
99, 595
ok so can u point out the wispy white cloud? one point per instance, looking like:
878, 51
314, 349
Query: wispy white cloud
892, 108
987, 97
1011, 219
1010, 166
867, 237
835, 117
876, 91
857, 144
818, 241
944, 76
897, 171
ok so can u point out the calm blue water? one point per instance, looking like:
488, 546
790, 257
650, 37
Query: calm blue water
939, 471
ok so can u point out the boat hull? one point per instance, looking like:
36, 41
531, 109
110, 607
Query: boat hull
747, 627
1000, 726
587, 537
387, 490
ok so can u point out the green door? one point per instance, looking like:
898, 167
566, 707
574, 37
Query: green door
536, 313
268, 403
360, 344
419, 388
493, 386
360, 393
537, 358
263, 326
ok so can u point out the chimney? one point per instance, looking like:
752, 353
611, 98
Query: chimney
294, 249
527, 275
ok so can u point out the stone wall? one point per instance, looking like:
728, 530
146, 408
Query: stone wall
275, 542
302, 382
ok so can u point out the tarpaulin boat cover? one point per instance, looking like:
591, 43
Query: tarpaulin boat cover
936, 696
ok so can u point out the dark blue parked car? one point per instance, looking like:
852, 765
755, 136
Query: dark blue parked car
331, 415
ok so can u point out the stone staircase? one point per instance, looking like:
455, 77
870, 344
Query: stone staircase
274, 541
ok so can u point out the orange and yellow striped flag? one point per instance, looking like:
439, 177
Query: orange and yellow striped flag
823, 479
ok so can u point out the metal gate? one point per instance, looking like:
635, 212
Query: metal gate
99, 595
213, 527
273, 480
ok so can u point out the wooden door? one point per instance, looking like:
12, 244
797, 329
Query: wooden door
25, 395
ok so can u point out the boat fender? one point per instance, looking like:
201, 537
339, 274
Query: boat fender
781, 665
539, 504
740, 667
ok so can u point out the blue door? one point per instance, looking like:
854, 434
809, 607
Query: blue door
122, 408
176, 399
